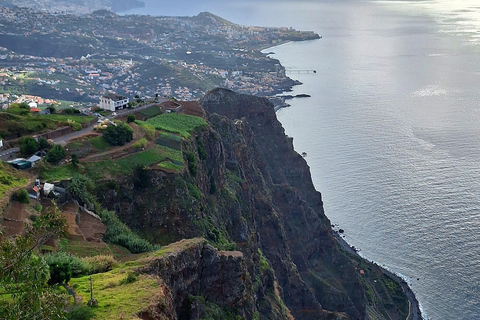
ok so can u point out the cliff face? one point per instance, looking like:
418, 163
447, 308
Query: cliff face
193, 273
245, 188
313, 273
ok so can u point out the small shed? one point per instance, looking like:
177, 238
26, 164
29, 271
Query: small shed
21, 164
34, 193
33, 159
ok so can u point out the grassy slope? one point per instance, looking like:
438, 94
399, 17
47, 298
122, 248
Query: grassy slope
177, 123
10, 179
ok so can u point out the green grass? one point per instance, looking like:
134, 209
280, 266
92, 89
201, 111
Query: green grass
171, 136
100, 143
126, 165
9, 179
177, 123
170, 166
81, 248
56, 173
117, 299
64, 117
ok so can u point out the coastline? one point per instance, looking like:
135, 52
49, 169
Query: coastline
415, 310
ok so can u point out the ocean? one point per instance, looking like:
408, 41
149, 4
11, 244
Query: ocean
391, 130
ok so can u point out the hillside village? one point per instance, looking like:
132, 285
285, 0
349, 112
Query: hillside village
79, 58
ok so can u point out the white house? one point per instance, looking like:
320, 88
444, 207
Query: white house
113, 102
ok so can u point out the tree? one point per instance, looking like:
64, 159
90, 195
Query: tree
75, 160
55, 154
24, 275
118, 135
28, 145
44, 144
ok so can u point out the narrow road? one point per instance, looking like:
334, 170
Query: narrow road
9, 153
63, 140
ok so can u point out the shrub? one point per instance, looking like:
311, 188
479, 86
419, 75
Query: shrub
21, 196
55, 154
75, 160
130, 118
44, 144
118, 135
81, 188
148, 131
75, 125
119, 234
70, 111
99, 264
142, 143
28, 145
76, 265
81, 313
60, 273
192, 163
131, 277
202, 154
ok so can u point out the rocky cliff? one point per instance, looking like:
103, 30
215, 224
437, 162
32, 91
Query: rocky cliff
245, 188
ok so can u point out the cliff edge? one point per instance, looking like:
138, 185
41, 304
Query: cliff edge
245, 189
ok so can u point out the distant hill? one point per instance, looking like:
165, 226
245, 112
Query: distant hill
74, 6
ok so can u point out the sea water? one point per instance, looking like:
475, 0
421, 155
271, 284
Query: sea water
391, 131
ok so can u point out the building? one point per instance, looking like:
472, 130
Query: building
113, 102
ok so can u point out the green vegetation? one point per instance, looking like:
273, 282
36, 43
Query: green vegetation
81, 188
10, 179
28, 145
16, 122
99, 143
75, 161
81, 248
140, 144
194, 191
24, 275
21, 196
130, 118
148, 130
119, 295
74, 266
56, 173
177, 123
151, 112
98, 264
170, 166
119, 234
192, 163
147, 158
56, 154
264, 265
81, 313
118, 135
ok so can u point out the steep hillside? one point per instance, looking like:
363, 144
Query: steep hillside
244, 188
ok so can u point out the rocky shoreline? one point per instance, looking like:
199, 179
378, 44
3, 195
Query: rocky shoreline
415, 311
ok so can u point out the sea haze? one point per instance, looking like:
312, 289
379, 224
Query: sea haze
391, 132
